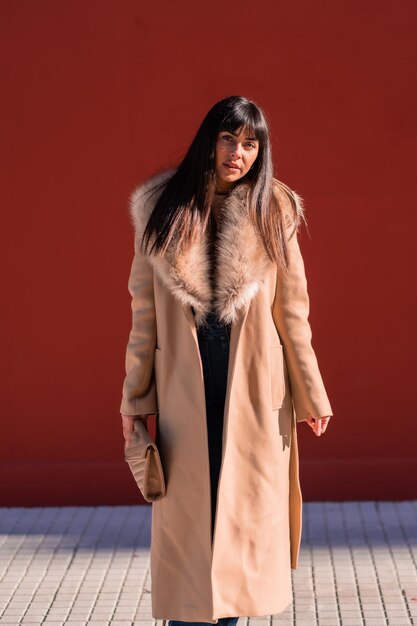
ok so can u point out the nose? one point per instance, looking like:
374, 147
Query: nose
235, 152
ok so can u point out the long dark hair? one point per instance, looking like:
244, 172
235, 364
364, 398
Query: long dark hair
183, 207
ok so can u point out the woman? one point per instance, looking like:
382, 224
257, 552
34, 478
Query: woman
220, 350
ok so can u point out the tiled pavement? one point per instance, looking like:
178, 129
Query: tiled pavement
90, 565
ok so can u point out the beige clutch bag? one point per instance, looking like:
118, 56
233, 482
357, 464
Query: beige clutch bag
144, 461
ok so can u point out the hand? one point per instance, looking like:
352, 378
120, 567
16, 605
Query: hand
128, 420
318, 424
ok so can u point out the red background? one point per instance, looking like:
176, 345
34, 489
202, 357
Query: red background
98, 95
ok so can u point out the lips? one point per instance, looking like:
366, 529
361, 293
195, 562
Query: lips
232, 166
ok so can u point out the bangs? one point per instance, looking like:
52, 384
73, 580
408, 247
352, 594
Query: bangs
248, 119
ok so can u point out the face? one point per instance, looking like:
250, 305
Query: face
235, 153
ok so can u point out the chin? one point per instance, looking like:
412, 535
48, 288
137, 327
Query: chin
232, 176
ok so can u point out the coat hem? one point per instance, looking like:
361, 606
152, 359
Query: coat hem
241, 614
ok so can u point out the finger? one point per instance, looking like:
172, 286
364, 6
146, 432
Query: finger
128, 427
312, 423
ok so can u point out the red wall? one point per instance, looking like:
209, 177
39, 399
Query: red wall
95, 97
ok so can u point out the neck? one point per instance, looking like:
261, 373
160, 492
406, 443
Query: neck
223, 187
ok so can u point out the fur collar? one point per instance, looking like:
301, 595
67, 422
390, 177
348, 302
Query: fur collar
241, 261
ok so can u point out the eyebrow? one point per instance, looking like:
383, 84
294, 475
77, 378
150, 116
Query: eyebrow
235, 134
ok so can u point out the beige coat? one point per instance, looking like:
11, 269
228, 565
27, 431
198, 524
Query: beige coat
273, 382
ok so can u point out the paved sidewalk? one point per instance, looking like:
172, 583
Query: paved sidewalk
90, 565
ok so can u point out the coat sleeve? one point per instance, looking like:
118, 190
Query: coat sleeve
139, 391
290, 312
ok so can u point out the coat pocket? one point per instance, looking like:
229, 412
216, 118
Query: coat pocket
277, 377
157, 354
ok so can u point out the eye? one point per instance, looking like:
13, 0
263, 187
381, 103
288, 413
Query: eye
226, 137
252, 145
